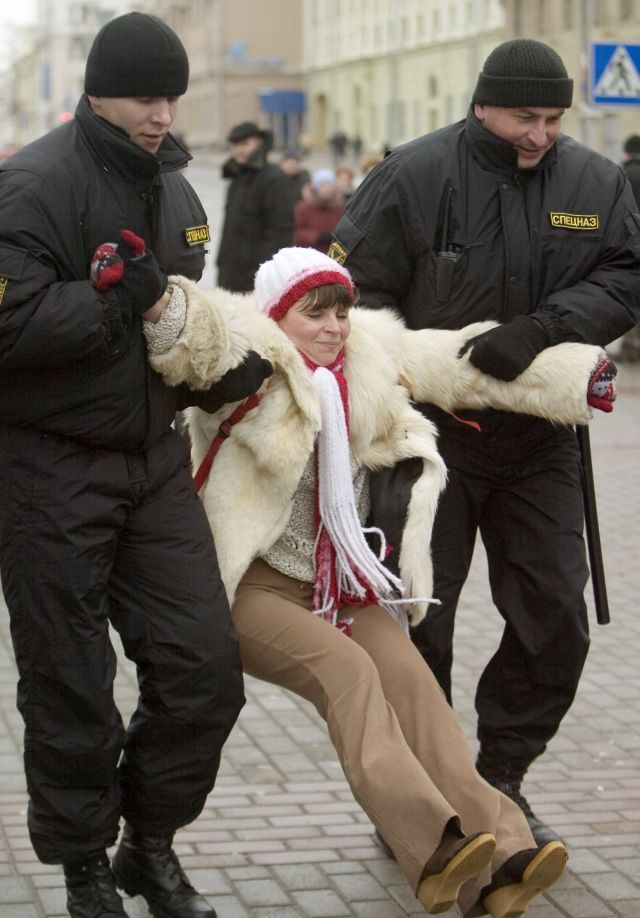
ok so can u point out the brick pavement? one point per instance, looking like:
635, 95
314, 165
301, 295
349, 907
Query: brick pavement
282, 837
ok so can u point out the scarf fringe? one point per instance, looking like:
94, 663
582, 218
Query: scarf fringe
352, 570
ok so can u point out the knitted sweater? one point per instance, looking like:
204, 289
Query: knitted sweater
292, 552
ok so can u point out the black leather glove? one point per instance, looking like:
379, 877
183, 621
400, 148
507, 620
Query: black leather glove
142, 282
236, 384
505, 351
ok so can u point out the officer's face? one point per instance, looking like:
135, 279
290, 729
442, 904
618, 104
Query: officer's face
319, 333
532, 131
145, 120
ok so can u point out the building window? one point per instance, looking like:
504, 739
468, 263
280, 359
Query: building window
597, 12
417, 117
517, 18
449, 108
542, 17
626, 9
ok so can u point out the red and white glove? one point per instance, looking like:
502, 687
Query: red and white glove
131, 270
601, 391
107, 265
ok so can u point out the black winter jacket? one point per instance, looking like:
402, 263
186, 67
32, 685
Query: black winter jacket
258, 220
68, 365
447, 231
632, 168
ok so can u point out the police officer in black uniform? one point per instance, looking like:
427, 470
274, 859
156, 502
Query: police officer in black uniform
502, 217
99, 520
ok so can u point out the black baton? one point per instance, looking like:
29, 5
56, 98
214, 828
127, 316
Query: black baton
593, 530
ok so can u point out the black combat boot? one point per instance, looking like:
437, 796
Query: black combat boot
506, 775
146, 865
91, 890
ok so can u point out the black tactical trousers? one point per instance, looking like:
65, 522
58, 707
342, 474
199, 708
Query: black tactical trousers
92, 536
518, 483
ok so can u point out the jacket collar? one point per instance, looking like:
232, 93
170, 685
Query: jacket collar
498, 155
118, 153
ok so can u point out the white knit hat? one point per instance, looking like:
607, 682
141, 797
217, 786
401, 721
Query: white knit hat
292, 272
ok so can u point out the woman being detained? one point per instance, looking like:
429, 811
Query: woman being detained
316, 609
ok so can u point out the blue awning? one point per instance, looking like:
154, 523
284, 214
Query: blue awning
283, 101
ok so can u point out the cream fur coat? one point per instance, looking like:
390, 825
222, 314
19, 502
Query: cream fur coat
248, 495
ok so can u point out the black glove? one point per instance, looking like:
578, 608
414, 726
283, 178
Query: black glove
235, 385
505, 351
142, 282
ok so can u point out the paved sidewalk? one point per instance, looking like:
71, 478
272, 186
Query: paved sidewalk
282, 837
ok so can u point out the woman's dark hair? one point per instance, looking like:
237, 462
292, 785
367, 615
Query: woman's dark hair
326, 296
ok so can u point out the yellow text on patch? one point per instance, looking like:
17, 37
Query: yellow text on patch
195, 235
575, 221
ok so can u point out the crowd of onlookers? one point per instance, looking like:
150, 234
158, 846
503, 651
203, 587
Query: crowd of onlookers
275, 202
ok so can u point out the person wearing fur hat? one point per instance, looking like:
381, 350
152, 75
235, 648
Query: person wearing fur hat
258, 216
98, 523
321, 596
500, 216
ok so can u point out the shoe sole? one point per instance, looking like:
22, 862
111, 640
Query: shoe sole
546, 867
157, 911
439, 893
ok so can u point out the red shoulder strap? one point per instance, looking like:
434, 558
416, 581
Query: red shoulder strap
223, 432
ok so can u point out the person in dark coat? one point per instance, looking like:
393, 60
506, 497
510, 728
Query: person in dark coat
338, 143
630, 344
99, 521
258, 213
298, 177
500, 216
631, 164
316, 216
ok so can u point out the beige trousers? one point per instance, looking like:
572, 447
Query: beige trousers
406, 759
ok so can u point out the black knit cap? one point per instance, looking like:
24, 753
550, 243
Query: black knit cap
632, 145
246, 129
524, 73
136, 55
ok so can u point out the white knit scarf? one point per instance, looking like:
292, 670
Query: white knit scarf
350, 573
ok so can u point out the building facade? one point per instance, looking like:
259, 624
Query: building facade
245, 61
389, 70
47, 76
572, 27
381, 71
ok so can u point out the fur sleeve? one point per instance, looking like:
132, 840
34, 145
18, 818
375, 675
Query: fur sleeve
213, 338
554, 386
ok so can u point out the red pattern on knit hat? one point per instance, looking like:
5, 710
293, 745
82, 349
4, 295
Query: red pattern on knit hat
303, 286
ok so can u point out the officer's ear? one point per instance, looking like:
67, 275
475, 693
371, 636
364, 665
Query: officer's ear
479, 112
96, 104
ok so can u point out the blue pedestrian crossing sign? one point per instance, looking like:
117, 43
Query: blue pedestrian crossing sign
615, 74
